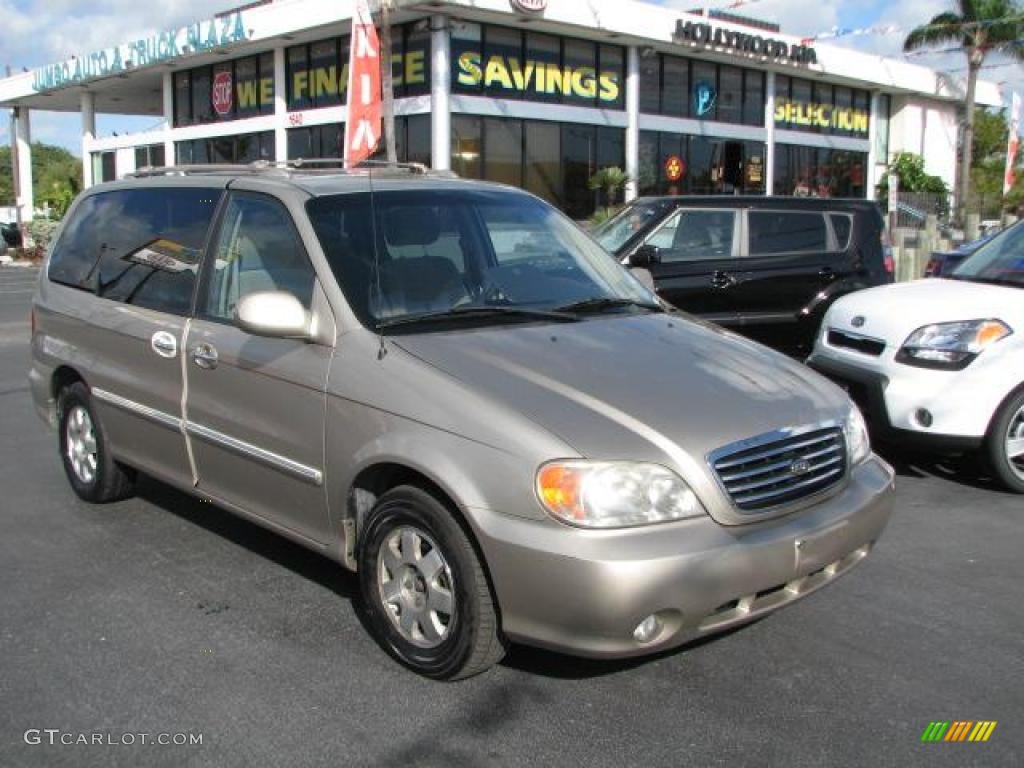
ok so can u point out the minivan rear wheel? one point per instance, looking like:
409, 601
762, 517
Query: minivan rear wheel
85, 450
424, 588
1005, 444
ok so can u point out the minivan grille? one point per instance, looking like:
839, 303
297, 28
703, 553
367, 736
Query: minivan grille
780, 469
862, 344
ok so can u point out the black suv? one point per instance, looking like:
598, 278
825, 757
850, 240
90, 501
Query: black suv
766, 267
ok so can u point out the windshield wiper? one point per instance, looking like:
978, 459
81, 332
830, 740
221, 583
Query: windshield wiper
601, 303
470, 312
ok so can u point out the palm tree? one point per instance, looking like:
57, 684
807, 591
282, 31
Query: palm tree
982, 27
610, 181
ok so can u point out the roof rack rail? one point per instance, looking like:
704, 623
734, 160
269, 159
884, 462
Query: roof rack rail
302, 165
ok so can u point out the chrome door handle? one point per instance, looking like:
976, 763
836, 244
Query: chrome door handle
164, 344
205, 356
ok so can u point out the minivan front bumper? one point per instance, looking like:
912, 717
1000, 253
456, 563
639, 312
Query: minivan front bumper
584, 592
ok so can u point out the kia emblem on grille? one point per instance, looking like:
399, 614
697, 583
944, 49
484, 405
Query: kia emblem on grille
800, 467
858, 321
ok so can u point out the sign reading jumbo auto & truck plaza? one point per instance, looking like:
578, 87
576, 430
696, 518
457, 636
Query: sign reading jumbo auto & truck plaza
195, 38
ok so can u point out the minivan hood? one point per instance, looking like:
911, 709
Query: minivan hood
652, 387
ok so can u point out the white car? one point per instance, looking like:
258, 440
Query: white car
940, 362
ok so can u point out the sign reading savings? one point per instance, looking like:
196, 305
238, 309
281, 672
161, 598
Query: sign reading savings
362, 129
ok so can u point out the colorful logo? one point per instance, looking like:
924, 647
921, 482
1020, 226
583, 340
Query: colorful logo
959, 730
704, 98
674, 168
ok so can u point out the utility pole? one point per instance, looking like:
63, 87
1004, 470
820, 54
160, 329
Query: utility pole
386, 79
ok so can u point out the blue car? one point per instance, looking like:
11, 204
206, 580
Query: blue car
942, 263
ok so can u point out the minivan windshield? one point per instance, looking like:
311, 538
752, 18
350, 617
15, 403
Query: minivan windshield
1000, 261
486, 256
616, 232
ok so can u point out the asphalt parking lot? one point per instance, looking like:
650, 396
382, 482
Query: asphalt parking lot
163, 614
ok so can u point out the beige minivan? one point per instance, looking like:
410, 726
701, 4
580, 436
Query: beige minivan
447, 387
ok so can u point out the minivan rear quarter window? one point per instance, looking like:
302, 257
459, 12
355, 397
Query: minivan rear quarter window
787, 232
137, 246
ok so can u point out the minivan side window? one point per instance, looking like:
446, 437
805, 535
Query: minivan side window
787, 232
257, 249
74, 256
690, 235
137, 246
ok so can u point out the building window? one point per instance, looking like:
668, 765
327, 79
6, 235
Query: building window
821, 108
412, 141
882, 130
152, 155
730, 95
675, 94
809, 172
243, 148
553, 160
231, 90
753, 97
711, 166
317, 73
104, 166
510, 64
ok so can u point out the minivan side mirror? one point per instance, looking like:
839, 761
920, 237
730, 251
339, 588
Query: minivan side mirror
276, 314
645, 256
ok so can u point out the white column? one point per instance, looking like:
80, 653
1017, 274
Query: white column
632, 122
440, 94
169, 154
280, 107
88, 109
872, 169
23, 137
769, 123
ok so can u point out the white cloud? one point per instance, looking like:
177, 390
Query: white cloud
53, 30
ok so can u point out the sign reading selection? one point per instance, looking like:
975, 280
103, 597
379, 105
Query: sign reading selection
195, 38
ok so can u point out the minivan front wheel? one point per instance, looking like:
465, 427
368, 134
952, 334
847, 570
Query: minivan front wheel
424, 588
1005, 444
85, 451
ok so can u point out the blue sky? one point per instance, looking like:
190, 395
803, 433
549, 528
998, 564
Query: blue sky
38, 32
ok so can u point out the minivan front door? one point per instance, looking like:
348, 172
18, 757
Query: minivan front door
697, 264
255, 406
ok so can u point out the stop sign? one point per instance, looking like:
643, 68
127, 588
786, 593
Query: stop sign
221, 94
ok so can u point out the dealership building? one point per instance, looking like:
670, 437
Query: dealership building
536, 94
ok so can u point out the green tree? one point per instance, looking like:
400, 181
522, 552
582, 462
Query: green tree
56, 176
981, 27
910, 168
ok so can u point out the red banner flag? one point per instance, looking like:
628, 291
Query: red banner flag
1012, 145
363, 127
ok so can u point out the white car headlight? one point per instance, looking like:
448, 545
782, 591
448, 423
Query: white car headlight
612, 494
951, 346
858, 444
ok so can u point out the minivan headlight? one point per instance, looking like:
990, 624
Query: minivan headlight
858, 443
605, 494
951, 346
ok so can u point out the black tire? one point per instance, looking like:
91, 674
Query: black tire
471, 641
110, 481
1008, 417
